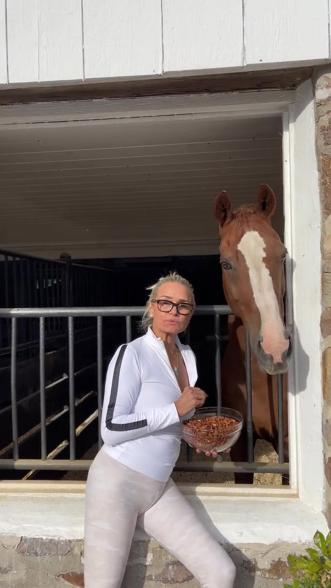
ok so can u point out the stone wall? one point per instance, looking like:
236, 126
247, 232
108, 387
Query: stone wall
323, 146
50, 563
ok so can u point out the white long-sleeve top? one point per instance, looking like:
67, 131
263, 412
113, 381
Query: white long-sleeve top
140, 425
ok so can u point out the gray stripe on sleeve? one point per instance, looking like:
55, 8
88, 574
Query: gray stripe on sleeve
112, 400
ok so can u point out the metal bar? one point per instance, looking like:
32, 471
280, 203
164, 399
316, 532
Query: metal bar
30, 324
72, 436
128, 328
35, 281
46, 276
280, 418
100, 383
13, 365
42, 387
58, 292
249, 409
22, 335
233, 467
69, 281
41, 285
7, 322
218, 366
20, 288
58, 262
29, 282
99, 310
6, 281
198, 466
16, 302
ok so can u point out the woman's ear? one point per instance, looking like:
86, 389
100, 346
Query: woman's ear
266, 201
223, 209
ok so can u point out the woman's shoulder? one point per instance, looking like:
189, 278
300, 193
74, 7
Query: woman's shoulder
127, 352
135, 346
185, 347
187, 351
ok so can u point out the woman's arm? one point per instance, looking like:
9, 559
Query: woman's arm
119, 422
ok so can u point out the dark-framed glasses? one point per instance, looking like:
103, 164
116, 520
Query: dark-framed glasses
184, 308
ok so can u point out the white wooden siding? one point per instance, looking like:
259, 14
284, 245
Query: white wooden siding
22, 30
288, 31
44, 40
3, 48
122, 38
202, 35
58, 40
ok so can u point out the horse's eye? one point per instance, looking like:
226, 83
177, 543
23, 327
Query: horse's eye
226, 265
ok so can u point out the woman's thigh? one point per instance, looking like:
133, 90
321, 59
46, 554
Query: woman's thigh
175, 525
110, 522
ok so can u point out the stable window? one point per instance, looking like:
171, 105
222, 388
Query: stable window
198, 144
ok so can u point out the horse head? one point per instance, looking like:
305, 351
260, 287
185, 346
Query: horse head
252, 260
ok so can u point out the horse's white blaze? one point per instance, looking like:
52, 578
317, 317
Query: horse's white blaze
274, 343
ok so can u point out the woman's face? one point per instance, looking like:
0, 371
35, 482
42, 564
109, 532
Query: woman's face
172, 322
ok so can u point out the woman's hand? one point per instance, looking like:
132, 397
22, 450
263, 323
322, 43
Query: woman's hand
208, 453
189, 399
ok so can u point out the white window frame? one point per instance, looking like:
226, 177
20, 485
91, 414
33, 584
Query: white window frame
302, 238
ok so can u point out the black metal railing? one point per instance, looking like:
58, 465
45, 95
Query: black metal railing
34, 282
47, 459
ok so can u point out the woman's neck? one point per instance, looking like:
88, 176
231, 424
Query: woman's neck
169, 340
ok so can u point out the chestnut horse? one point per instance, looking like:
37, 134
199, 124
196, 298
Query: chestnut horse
252, 259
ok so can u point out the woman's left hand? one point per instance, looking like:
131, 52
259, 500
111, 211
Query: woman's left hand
207, 453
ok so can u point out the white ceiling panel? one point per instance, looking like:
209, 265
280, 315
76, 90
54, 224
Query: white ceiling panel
131, 187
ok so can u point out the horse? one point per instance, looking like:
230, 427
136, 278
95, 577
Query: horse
252, 258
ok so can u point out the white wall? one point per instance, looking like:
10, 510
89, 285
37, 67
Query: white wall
303, 227
54, 40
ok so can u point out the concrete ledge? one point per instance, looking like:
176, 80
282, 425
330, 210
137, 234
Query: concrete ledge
233, 518
41, 539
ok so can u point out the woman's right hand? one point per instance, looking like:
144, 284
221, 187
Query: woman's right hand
189, 399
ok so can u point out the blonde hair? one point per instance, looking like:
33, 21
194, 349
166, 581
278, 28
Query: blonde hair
146, 320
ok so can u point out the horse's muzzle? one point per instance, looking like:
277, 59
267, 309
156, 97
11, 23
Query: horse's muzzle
266, 361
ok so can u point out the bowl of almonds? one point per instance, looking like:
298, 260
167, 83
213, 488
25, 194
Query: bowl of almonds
210, 430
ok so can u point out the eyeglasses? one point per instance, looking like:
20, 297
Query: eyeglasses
181, 307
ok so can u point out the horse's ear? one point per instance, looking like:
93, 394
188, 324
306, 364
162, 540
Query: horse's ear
266, 201
223, 208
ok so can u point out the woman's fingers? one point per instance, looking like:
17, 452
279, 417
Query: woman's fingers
199, 394
207, 453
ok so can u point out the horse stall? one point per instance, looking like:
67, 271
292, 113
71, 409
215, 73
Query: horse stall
129, 186
138, 196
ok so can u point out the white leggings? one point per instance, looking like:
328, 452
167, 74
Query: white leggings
117, 498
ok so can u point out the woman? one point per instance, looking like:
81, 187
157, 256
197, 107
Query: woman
149, 390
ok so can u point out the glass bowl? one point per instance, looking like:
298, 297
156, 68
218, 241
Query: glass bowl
209, 431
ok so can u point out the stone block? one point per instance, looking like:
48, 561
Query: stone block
326, 364
327, 431
73, 579
29, 564
326, 322
326, 289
